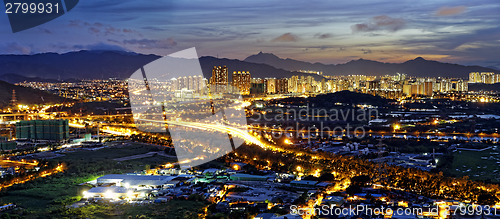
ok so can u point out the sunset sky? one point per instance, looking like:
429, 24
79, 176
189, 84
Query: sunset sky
457, 31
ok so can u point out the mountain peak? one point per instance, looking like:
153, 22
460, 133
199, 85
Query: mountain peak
262, 57
419, 59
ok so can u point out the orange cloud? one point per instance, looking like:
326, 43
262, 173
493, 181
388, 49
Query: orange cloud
287, 37
448, 11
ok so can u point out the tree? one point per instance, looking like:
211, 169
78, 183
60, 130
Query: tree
487, 199
353, 189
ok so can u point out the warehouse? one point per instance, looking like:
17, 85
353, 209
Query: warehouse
112, 192
138, 181
247, 177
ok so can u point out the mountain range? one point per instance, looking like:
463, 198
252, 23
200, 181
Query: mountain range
418, 67
119, 64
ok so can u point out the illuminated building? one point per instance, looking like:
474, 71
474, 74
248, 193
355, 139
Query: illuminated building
49, 130
281, 86
483, 77
7, 145
241, 80
257, 86
270, 85
488, 77
137, 181
459, 85
219, 75
219, 79
293, 84
474, 77
427, 88
418, 88
192, 83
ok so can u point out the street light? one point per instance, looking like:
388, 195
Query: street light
397, 127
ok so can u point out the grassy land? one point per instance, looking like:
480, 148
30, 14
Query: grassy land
470, 163
110, 153
172, 209
48, 196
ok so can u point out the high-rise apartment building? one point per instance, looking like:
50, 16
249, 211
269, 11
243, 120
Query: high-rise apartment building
242, 80
484, 77
282, 86
219, 79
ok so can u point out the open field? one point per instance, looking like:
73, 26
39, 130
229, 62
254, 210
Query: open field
49, 196
172, 209
113, 152
478, 165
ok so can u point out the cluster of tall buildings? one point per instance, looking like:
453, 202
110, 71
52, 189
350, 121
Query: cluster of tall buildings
196, 83
389, 86
484, 77
429, 86
241, 82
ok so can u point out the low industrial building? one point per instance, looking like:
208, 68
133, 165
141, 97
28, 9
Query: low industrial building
303, 183
247, 177
138, 181
111, 192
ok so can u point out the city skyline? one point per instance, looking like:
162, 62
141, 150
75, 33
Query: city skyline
450, 31
250, 109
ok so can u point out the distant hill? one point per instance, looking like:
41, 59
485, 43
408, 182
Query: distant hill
118, 64
13, 78
418, 67
26, 95
109, 64
347, 97
77, 65
256, 70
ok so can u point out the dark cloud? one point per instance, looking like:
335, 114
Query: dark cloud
15, 48
100, 29
323, 35
152, 43
382, 22
287, 37
366, 51
448, 11
94, 30
44, 30
100, 46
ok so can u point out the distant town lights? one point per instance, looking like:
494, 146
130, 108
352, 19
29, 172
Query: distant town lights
109, 194
236, 167
299, 168
130, 194
397, 127
85, 194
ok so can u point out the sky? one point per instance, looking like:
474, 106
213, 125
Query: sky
331, 32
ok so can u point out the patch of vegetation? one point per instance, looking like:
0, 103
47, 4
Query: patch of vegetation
172, 209
47, 196
478, 165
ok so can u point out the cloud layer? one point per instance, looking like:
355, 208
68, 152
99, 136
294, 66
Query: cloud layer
381, 22
287, 37
448, 11
459, 31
